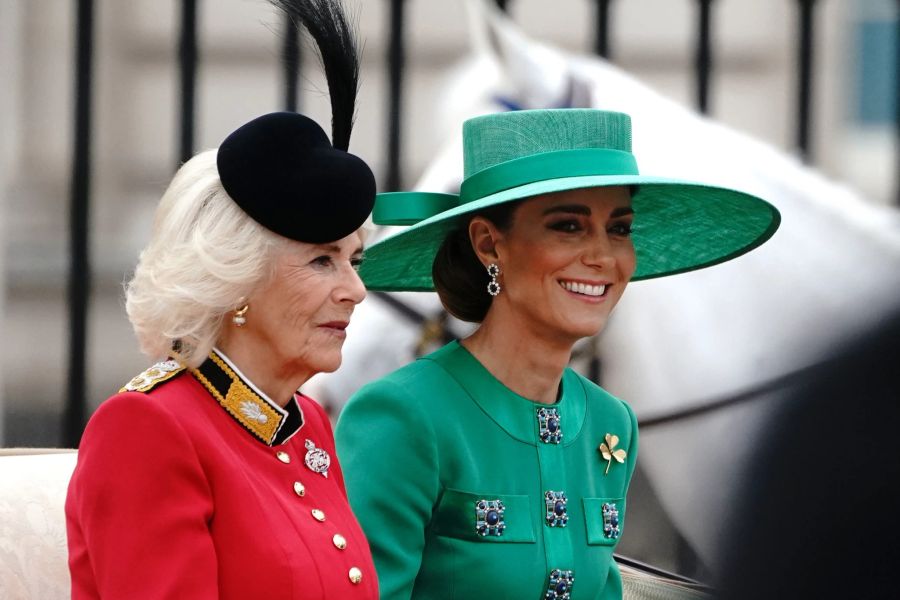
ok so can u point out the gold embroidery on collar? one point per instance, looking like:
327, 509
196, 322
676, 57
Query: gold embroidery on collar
242, 403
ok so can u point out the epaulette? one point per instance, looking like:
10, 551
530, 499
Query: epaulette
152, 377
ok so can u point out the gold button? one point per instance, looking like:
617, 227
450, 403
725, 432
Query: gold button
299, 489
355, 575
284, 457
318, 515
339, 541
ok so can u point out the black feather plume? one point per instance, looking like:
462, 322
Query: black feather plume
329, 27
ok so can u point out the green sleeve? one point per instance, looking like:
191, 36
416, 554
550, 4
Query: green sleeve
382, 432
632, 446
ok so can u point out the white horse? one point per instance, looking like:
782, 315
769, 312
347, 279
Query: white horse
692, 339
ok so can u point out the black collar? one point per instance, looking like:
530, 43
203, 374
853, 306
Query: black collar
256, 412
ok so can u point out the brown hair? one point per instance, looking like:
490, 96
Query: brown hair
459, 277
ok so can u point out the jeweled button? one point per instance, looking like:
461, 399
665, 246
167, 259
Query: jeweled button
560, 585
549, 425
489, 517
355, 575
284, 457
339, 541
556, 515
299, 489
610, 515
318, 515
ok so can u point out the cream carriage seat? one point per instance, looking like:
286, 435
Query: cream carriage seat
33, 554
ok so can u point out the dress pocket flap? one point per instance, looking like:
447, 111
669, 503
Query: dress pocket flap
603, 520
496, 518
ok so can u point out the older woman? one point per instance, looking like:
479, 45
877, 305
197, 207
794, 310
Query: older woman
489, 469
209, 475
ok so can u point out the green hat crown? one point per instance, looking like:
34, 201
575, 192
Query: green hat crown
526, 148
490, 140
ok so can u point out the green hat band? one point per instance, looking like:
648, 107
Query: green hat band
546, 166
408, 208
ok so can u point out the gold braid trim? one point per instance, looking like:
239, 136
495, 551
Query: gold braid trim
242, 403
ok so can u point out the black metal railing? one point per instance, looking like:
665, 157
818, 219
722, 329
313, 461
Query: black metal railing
805, 78
187, 60
80, 269
395, 63
602, 42
79, 266
704, 54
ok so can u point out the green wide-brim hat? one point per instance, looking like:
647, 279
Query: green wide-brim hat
679, 226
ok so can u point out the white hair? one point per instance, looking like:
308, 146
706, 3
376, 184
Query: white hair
205, 257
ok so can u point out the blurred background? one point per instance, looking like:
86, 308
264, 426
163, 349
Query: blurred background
791, 97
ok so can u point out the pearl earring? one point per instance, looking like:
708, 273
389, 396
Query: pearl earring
239, 318
493, 286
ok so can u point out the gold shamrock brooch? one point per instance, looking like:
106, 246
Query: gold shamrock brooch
608, 451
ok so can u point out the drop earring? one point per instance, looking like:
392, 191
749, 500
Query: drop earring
239, 318
493, 286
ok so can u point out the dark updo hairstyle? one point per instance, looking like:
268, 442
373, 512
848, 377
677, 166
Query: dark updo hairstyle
459, 277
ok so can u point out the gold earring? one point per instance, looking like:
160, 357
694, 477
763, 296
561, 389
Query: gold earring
239, 319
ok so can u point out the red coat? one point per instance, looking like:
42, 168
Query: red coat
174, 497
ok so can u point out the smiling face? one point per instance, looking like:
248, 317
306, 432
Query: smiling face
565, 260
296, 323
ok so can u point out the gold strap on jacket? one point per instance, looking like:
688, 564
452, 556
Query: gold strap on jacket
152, 377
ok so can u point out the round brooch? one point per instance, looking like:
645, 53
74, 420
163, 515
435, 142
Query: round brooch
316, 459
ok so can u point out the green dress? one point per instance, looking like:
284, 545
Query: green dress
467, 490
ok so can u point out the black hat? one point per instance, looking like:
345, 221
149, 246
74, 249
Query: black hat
282, 170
